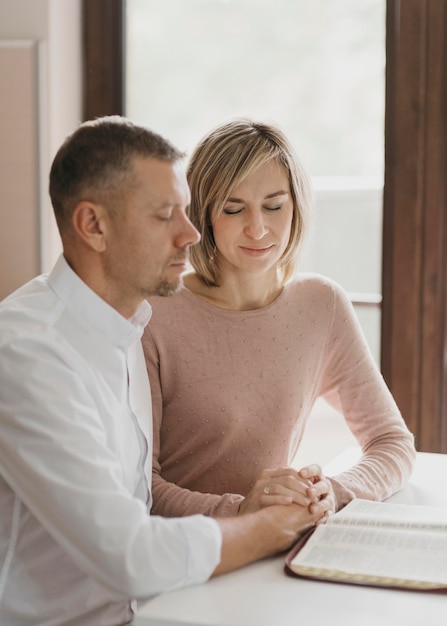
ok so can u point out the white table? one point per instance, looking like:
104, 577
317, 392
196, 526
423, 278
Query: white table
262, 595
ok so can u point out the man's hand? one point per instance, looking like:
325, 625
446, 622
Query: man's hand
268, 531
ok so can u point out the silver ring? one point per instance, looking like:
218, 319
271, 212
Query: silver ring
267, 490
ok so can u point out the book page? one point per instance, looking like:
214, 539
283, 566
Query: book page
379, 543
373, 514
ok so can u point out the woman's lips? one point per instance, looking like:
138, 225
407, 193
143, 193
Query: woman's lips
256, 251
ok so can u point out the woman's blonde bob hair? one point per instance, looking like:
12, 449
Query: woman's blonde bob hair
221, 160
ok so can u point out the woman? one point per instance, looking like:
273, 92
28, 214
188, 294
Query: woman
238, 357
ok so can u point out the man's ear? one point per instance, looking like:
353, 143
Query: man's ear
89, 221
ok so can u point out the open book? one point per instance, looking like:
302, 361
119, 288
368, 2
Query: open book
377, 543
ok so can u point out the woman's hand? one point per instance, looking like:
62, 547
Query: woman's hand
282, 486
320, 491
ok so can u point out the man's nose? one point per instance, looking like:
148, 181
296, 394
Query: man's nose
188, 234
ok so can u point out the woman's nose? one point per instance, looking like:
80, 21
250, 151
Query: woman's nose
255, 227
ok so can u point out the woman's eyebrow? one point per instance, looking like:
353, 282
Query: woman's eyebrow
281, 192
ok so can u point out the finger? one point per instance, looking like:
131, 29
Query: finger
320, 489
297, 490
325, 506
275, 489
312, 472
275, 499
294, 483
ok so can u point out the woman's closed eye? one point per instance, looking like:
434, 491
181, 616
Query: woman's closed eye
232, 210
236, 210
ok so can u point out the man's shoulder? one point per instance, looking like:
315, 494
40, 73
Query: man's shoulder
35, 286
29, 310
29, 299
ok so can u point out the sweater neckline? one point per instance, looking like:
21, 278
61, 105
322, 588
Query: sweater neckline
217, 310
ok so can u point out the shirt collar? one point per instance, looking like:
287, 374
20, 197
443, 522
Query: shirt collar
94, 310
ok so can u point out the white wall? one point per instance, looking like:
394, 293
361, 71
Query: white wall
53, 30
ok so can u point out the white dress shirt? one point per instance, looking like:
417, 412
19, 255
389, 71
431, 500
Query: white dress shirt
77, 545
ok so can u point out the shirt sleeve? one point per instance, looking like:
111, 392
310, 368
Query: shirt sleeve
353, 384
170, 500
55, 455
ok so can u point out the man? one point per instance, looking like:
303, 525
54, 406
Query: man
77, 545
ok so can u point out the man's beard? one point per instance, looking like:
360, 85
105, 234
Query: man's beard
165, 288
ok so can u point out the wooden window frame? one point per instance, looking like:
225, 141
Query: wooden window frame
414, 268
414, 283
103, 24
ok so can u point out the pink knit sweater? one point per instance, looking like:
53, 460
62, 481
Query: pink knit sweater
232, 391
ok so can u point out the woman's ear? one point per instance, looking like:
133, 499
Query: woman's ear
89, 221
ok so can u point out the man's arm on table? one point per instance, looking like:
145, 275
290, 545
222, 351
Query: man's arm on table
254, 536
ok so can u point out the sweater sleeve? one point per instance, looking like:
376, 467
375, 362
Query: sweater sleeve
170, 500
353, 384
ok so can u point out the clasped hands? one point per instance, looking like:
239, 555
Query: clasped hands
307, 487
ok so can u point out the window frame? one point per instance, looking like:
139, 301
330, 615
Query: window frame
414, 281
103, 36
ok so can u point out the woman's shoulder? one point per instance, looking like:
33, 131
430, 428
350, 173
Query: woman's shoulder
314, 285
317, 291
323, 299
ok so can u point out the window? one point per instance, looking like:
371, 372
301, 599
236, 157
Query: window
414, 276
315, 68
